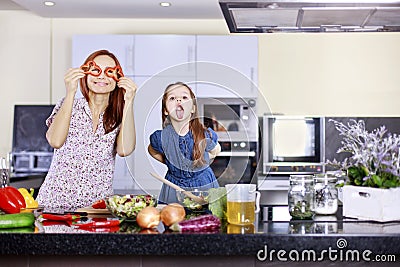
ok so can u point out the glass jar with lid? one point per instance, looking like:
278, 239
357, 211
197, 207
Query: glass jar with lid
325, 194
300, 196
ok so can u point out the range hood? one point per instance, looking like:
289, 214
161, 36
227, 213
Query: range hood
261, 16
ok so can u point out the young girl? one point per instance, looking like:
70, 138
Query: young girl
184, 144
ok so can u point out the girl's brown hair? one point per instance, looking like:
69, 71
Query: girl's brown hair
113, 113
195, 125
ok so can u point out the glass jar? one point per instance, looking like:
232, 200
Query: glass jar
300, 196
325, 194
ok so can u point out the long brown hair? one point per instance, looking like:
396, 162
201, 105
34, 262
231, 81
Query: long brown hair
113, 113
195, 125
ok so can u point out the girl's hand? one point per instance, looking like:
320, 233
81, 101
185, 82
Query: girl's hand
71, 79
129, 86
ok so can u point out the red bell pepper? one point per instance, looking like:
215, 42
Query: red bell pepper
91, 68
115, 73
18, 195
99, 204
11, 200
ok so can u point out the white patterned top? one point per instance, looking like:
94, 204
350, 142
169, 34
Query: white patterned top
82, 169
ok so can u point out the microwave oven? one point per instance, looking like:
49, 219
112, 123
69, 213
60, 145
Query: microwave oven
293, 144
233, 119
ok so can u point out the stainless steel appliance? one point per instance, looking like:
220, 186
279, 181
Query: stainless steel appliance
293, 145
290, 145
31, 154
236, 124
234, 119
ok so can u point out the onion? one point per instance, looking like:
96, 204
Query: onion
149, 217
172, 213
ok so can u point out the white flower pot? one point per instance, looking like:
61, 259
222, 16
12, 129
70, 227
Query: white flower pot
369, 203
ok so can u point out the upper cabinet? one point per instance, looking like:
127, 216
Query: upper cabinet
120, 45
227, 65
164, 55
213, 65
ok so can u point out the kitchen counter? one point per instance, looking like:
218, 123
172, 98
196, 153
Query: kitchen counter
257, 244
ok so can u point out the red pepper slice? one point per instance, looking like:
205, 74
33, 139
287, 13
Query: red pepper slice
112, 229
105, 224
91, 68
57, 217
115, 73
99, 204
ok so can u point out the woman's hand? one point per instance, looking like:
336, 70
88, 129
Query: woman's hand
130, 88
71, 79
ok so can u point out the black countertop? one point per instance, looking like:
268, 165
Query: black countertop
322, 235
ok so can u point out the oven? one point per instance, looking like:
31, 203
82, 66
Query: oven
236, 123
290, 145
236, 163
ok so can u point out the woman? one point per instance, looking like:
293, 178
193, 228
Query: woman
184, 144
88, 132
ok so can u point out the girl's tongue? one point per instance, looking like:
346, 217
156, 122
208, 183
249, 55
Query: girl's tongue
179, 112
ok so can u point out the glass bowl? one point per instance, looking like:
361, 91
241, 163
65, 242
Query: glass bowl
189, 203
128, 206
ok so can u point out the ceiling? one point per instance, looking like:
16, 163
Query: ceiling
139, 9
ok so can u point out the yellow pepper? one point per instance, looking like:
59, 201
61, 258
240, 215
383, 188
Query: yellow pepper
31, 203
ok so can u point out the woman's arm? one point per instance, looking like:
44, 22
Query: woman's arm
58, 129
126, 139
156, 155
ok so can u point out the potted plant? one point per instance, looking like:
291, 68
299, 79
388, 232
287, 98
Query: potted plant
372, 188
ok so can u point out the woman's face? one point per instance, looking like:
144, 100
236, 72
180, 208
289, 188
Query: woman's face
102, 84
179, 104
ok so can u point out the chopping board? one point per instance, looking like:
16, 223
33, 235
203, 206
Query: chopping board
91, 210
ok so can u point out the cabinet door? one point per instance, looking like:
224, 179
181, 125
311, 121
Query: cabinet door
229, 64
158, 53
120, 45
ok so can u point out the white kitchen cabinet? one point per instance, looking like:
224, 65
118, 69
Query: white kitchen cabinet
120, 45
156, 54
227, 65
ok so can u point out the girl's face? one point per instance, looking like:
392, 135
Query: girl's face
179, 104
102, 84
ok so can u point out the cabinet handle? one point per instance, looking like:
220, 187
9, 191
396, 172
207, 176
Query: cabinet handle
252, 78
129, 59
190, 54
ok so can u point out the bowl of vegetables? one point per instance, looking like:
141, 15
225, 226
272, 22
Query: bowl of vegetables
194, 200
128, 206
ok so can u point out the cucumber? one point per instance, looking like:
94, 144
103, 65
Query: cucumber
30, 229
16, 220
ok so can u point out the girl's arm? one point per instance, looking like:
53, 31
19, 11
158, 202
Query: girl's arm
126, 139
156, 155
58, 129
215, 151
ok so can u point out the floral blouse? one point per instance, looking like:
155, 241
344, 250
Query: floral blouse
82, 169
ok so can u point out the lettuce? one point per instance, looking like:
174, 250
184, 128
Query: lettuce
217, 202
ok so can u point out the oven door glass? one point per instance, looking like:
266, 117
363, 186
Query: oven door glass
222, 117
235, 165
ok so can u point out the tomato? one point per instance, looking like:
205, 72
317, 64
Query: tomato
99, 204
